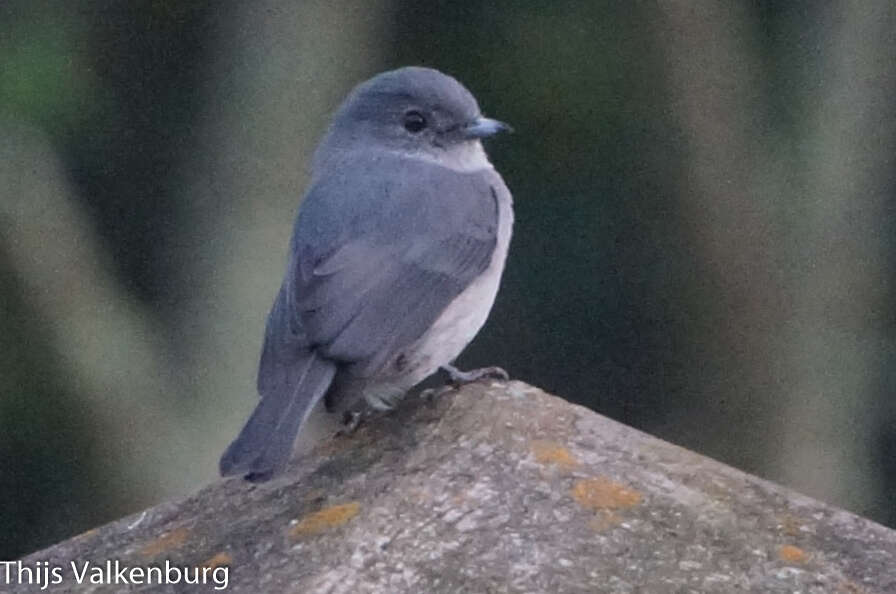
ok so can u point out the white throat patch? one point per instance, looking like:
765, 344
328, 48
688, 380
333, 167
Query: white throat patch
469, 156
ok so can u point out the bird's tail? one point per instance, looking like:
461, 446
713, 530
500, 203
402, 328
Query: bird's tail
264, 445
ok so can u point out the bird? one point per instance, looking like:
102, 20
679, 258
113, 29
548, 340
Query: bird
395, 261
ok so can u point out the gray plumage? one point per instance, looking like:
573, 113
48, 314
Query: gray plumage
394, 261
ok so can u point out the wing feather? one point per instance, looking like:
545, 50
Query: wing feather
366, 284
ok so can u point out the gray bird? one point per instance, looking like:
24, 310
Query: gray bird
394, 263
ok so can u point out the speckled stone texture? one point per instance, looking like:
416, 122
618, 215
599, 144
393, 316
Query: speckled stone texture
499, 488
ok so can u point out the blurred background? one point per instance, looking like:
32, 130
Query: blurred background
703, 248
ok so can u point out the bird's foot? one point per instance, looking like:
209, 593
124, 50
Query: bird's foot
378, 404
430, 394
459, 378
384, 401
351, 420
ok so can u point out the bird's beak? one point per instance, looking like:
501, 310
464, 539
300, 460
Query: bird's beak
482, 127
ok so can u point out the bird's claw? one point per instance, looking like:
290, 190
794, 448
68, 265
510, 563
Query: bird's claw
377, 405
430, 394
351, 420
460, 378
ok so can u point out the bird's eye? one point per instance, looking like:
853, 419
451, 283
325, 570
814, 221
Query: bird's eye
414, 121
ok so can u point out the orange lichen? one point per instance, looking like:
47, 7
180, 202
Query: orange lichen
792, 554
166, 542
221, 559
602, 493
550, 452
326, 518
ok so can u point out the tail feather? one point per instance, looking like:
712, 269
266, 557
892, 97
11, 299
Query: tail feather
264, 445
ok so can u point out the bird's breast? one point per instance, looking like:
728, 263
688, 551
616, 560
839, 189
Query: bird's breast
462, 319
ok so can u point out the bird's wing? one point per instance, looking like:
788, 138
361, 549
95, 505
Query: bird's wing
374, 268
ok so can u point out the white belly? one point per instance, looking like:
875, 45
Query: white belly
465, 315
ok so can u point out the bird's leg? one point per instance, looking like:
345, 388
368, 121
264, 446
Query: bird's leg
431, 394
377, 405
351, 420
384, 401
459, 378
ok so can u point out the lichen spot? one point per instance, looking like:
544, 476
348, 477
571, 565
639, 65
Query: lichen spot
551, 452
792, 554
325, 519
165, 543
602, 493
222, 559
